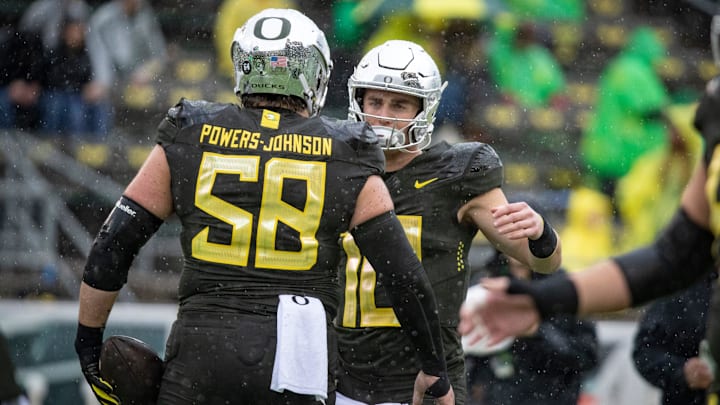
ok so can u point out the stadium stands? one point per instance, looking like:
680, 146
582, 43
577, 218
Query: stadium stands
55, 203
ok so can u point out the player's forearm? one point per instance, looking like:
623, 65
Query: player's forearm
95, 306
679, 257
601, 288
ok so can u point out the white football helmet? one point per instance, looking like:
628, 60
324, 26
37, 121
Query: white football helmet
282, 51
402, 67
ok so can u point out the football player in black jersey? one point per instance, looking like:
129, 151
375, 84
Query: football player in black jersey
443, 196
684, 251
263, 192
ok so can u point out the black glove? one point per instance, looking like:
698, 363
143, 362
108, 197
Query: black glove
88, 345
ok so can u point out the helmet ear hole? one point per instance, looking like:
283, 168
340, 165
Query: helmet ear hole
359, 96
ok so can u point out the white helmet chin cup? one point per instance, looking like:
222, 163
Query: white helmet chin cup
402, 67
390, 138
282, 51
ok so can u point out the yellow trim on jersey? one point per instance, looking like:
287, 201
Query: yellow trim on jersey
270, 119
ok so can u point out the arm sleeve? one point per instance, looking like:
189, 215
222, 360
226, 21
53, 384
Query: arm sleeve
127, 228
681, 255
383, 241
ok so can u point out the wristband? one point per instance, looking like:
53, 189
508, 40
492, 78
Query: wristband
439, 387
553, 295
545, 245
88, 337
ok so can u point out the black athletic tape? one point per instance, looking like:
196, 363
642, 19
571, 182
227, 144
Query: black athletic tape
88, 337
553, 295
545, 245
440, 388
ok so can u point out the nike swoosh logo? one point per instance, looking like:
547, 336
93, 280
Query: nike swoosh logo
419, 184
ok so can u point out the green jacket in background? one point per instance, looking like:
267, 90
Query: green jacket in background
548, 10
528, 73
627, 121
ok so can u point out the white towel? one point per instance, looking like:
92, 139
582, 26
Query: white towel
341, 399
301, 358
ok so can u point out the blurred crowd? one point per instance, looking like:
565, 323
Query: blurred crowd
67, 67
62, 62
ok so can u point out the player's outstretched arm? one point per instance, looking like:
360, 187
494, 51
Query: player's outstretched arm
137, 215
515, 307
679, 256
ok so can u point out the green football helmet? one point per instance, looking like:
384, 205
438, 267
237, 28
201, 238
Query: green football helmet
282, 51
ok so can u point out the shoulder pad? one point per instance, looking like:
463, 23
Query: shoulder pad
479, 157
349, 131
483, 167
361, 139
186, 113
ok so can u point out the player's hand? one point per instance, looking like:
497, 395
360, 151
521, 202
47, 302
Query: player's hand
697, 373
517, 221
501, 315
102, 389
425, 381
88, 345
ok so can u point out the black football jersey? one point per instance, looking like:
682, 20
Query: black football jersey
427, 194
262, 197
